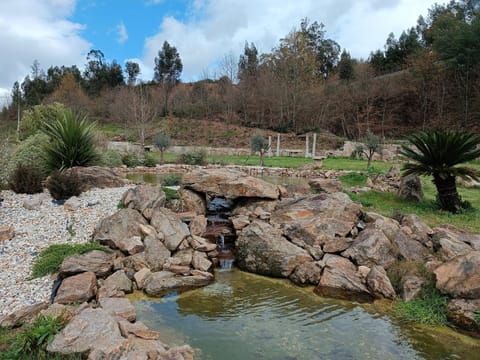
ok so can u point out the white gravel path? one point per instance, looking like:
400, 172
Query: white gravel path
35, 230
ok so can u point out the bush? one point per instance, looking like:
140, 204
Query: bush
33, 119
150, 160
110, 158
172, 180
72, 142
170, 194
26, 180
64, 184
30, 153
51, 258
198, 157
132, 159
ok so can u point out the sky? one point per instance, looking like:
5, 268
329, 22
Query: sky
62, 32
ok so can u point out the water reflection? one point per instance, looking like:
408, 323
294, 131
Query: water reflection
245, 316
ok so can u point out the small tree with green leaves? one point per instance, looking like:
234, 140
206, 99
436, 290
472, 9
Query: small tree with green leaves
259, 144
162, 141
371, 144
436, 153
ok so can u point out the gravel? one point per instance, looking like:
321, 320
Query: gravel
47, 223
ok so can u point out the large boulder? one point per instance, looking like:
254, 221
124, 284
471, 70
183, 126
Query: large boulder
449, 244
119, 307
144, 198
192, 202
318, 220
119, 281
116, 230
98, 177
97, 261
263, 250
156, 253
460, 277
379, 283
341, 280
163, 282
77, 289
168, 224
229, 183
462, 314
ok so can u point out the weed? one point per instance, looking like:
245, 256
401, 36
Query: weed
121, 204
429, 308
477, 315
170, 194
172, 180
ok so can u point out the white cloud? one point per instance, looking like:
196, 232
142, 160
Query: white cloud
38, 30
215, 27
122, 33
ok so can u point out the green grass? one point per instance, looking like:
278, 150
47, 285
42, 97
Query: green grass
109, 129
51, 258
477, 315
170, 193
430, 308
344, 163
353, 179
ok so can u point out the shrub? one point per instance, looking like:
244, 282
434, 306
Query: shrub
64, 184
110, 158
49, 260
26, 180
30, 153
170, 194
131, 159
162, 141
198, 157
259, 144
150, 160
72, 142
33, 119
172, 180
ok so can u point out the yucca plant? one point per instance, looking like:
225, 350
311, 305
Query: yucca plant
71, 143
436, 153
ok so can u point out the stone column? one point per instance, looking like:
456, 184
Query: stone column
306, 146
314, 144
269, 153
278, 145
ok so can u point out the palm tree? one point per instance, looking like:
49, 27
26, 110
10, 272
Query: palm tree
436, 153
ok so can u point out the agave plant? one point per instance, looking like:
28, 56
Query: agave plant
71, 141
436, 153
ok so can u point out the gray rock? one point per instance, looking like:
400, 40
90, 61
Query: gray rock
24, 315
98, 177
462, 314
145, 198
72, 203
119, 307
156, 254
119, 281
198, 225
33, 202
411, 287
140, 277
307, 273
201, 244
164, 282
96, 261
77, 289
379, 283
322, 185
182, 257
192, 202
410, 188
169, 224
263, 250
200, 261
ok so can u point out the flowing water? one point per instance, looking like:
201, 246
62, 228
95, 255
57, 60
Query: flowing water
244, 316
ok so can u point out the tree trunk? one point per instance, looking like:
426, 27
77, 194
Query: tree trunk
448, 196
162, 160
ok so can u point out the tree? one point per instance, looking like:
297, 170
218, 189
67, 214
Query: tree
345, 67
259, 144
162, 141
436, 153
168, 68
133, 70
371, 144
99, 74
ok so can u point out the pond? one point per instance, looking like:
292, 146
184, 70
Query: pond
245, 316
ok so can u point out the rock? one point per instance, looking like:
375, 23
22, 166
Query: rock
182, 257
306, 273
448, 244
262, 249
140, 277
98, 177
33, 202
24, 315
156, 253
340, 280
145, 198
72, 204
198, 225
77, 288
337, 244
410, 188
201, 244
200, 261
460, 277
371, 247
6, 233
379, 283
119, 307
419, 231
164, 282
316, 220
321, 185
96, 261
393, 172
411, 287
131, 245
315, 251
119, 281
66, 312
135, 262
168, 223
192, 201
138, 329
147, 230
89, 330
229, 183
461, 313
239, 222
116, 229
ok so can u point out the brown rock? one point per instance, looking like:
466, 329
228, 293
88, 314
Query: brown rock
144, 198
77, 288
24, 314
168, 223
135, 262
201, 244
182, 257
98, 177
200, 261
322, 185
307, 273
192, 201
410, 188
119, 307
460, 277
461, 313
147, 230
411, 287
156, 253
198, 225
379, 283
138, 329
96, 261
6, 233
140, 277
119, 281
164, 282
239, 222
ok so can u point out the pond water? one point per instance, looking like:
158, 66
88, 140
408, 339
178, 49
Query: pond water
245, 316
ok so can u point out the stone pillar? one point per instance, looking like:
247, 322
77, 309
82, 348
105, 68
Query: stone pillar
306, 146
278, 145
314, 144
269, 153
